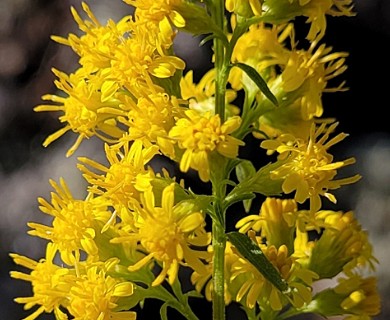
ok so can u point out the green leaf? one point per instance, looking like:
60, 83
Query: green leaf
244, 170
251, 252
258, 80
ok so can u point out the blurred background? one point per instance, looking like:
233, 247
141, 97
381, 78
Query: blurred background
27, 54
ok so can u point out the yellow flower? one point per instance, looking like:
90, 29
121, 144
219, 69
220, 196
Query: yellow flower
48, 281
124, 179
201, 96
307, 167
150, 120
96, 295
273, 221
341, 247
75, 222
310, 70
201, 134
293, 75
166, 234
98, 43
157, 10
142, 55
84, 108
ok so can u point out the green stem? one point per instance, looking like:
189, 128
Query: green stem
218, 224
219, 243
220, 65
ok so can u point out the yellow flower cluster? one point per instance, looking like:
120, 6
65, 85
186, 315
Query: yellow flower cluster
137, 228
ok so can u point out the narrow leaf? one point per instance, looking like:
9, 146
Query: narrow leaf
244, 170
251, 252
260, 82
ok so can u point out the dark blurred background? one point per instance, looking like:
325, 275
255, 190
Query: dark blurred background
27, 54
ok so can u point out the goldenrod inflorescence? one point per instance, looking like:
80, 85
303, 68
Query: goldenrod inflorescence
138, 227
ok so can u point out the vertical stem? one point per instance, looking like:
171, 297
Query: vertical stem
219, 243
218, 227
221, 70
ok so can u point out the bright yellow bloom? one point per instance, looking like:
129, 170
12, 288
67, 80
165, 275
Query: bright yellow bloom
49, 284
307, 168
138, 46
293, 75
84, 108
310, 71
201, 134
201, 96
124, 179
150, 120
98, 43
158, 10
96, 295
166, 233
341, 247
75, 222
142, 55
273, 222
254, 288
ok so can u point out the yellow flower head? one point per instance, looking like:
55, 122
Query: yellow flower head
48, 281
98, 43
254, 288
150, 119
307, 167
309, 71
74, 224
201, 96
96, 295
142, 55
125, 178
273, 222
84, 108
293, 75
341, 247
166, 234
201, 134
158, 10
